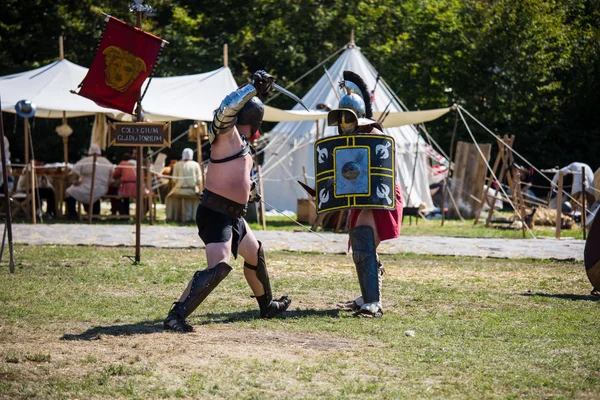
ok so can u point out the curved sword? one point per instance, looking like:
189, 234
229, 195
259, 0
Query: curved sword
290, 95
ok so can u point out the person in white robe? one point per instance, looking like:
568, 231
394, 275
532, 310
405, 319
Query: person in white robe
187, 175
81, 188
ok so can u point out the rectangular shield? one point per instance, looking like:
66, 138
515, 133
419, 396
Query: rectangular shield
355, 171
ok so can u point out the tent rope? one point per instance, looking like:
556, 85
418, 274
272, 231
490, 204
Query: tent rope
492, 172
309, 72
520, 156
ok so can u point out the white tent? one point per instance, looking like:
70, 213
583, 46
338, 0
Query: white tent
192, 97
49, 87
291, 143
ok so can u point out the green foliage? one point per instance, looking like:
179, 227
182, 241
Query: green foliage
523, 67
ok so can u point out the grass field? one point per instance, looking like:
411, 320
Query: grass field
86, 323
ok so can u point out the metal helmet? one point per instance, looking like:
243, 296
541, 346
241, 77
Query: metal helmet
354, 108
25, 109
251, 114
354, 102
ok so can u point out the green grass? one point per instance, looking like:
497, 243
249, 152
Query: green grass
84, 322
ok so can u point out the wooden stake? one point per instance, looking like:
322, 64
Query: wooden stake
262, 203
445, 192
91, 204
28, 205
199, 156
559, 204
61, 48
33, 196
150, 196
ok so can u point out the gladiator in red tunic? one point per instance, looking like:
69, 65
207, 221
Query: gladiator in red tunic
368, 226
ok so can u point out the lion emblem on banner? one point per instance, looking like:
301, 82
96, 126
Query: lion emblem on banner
122, 68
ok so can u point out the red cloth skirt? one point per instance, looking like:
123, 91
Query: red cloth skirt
388, 222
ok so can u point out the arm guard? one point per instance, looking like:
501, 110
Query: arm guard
225, 116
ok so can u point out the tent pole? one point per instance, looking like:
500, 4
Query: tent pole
61, 48
225, 56
444, 195
91, 204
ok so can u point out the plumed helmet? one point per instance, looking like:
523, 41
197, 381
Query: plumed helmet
353, 83
25, 109
354, 108
251, 114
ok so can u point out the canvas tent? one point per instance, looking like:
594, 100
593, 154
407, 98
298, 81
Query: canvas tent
49, 87
291, 143
193, 97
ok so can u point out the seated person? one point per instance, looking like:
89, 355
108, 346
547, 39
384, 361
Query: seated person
81, 188
187, 177
44, 191
126, 173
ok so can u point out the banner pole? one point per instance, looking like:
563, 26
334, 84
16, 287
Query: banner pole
138, 167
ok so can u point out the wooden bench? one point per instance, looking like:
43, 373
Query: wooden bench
411, 212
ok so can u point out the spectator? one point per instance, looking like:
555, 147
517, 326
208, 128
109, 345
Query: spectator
81, 188
126, 173
188, 177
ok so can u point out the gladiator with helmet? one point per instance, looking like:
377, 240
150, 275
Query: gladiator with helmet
365, 184
220, 214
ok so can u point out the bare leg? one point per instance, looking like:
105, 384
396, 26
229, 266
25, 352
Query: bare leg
248, 249
255, 272
200, 286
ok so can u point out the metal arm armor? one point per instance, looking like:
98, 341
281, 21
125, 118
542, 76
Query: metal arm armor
225, 116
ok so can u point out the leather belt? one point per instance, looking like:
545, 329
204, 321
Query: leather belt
222, 204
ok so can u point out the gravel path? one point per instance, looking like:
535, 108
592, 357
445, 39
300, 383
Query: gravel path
177, 237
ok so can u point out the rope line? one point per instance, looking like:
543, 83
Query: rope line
492, 172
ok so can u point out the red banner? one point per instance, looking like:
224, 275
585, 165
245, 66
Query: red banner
125, 58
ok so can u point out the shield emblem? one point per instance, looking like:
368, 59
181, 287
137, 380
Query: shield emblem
355, 171
591, 254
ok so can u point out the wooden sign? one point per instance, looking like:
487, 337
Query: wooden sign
139, 134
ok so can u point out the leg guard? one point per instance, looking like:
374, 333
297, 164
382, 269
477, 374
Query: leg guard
202, 284
268, 307
362, 239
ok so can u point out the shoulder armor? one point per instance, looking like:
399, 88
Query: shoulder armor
225, 116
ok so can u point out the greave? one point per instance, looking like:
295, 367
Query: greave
362, 240
261, 273
268, 307
202, 284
